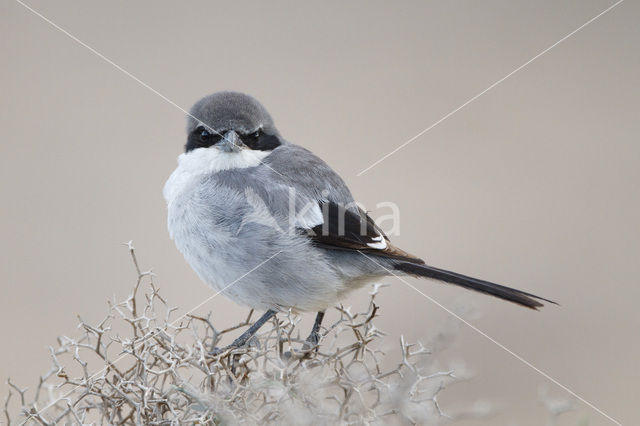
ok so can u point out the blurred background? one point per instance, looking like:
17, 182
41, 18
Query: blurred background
534, 184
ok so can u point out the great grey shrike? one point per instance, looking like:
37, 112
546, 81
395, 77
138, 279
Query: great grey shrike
247, 207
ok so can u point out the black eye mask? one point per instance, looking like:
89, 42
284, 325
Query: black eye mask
258, 140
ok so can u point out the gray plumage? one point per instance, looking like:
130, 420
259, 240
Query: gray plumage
230, 111
230, 214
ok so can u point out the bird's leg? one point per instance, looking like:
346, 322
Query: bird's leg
314, 337
244, 337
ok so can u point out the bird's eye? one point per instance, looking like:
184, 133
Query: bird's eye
204, 134
253, 137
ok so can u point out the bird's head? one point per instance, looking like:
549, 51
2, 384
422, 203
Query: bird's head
230, 122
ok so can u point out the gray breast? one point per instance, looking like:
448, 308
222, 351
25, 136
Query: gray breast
219, 230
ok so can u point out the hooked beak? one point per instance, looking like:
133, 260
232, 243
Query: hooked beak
230, 142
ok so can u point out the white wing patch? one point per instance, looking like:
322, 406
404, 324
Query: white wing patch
380, 243
309, 216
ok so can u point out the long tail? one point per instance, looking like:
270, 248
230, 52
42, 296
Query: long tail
506, 293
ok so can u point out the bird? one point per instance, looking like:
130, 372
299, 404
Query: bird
271, 226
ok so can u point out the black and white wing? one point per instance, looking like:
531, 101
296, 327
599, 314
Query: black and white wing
333, 221
343, 229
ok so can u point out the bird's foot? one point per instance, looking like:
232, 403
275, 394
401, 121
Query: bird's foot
214, 352
237, 344
312, 342
308, 347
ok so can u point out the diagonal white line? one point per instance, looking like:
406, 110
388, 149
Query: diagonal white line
124, 71
31, 415
132, 76
109, 61
489, 88
104, 58
500, 345
226, 287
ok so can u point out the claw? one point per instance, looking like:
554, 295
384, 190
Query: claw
216, 351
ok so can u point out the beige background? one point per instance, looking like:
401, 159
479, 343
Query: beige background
534, 184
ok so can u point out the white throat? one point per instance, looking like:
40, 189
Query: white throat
202, 161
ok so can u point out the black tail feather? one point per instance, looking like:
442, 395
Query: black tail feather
506, 293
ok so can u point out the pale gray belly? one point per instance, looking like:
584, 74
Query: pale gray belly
253, 264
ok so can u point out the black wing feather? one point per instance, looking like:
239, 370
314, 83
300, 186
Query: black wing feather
348, 229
